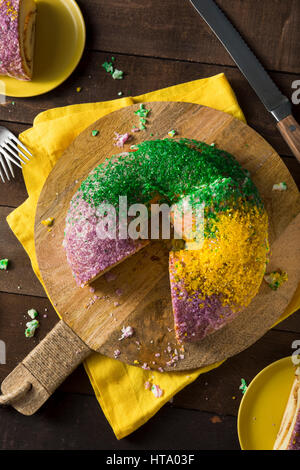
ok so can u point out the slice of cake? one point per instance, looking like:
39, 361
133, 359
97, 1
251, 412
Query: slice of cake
17, 38
288, 437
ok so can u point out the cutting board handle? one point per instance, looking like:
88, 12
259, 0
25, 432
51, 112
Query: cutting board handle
290, 131
32, 382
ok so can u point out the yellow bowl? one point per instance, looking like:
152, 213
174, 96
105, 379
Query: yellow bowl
263, 405
60, 40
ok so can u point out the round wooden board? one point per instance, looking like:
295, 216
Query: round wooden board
145, 303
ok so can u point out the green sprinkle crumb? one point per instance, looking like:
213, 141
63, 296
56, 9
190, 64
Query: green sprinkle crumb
95, 133
243, 387
275, 279
172, 133
31, 327
280, 186
3, 264
108, 67
142, 111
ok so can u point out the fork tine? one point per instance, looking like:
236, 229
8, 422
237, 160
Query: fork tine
21, 145
8, 162
15, 147
14, 153
8, 157
4, 168
1, 175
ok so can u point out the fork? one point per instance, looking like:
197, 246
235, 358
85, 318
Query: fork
10, 153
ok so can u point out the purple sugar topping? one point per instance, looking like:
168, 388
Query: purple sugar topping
10, 53
295, 438
196, 318
87, 254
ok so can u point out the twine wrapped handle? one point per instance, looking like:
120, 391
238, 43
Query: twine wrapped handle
32, 382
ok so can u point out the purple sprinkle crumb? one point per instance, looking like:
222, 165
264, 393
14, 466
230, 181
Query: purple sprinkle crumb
157, 391
127, 332
117, 353
121, 139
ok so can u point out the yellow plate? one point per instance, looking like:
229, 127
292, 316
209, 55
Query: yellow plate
60, 40
263, 405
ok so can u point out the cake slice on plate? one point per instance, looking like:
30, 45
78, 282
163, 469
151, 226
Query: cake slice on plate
288, 437
17, 38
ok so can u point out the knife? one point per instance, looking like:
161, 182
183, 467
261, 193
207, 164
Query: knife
274, 101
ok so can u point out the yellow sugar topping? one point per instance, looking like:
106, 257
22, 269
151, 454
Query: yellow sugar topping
10, 10
233, 263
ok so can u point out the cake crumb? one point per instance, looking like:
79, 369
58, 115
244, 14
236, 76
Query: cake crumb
4, 264
121, 139
215, 419
117, 353
48, 222
147, 385
157, 391
275, 279
127, 332
172, 133
279, 186
32, 313
31, 327
243, 387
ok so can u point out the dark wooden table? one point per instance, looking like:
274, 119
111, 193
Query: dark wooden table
157, 43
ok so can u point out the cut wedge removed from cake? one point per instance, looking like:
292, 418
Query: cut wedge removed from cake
288, 437
17, 38
88, 253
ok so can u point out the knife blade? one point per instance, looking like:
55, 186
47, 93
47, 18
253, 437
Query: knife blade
272, 98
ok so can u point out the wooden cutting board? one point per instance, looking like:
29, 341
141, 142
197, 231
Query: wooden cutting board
140, 294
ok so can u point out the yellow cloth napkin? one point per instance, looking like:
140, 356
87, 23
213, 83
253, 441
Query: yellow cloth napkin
119, 388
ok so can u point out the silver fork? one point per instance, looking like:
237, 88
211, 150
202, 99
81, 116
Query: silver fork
11, 153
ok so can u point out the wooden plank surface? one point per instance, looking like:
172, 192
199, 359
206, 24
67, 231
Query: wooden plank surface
157, 44
75, 422
173, 29
142, 75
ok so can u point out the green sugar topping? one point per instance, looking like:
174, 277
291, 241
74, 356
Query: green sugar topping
169, 169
